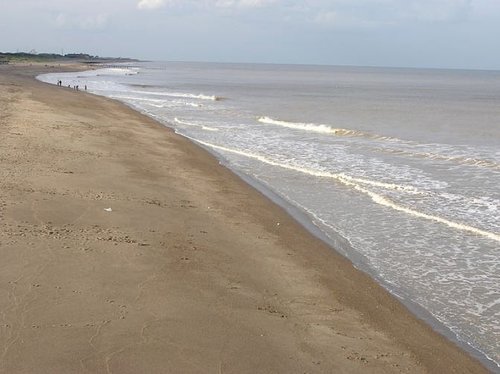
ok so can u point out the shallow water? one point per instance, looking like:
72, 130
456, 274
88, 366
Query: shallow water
404, 164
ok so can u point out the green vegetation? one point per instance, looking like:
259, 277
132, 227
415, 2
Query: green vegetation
6, 57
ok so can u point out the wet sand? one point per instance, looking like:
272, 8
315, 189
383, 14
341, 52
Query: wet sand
126, 249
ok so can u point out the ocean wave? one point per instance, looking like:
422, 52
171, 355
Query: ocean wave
116, 71
137, 98
458, 159
179, 94
203, 127
322, 129
356, 184
194, 105
144, 85
107, 72
154, 102
326, 129
313, 127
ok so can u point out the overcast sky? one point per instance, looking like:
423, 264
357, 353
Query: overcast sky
415, 33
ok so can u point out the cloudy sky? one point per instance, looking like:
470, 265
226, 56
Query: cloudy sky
416, 33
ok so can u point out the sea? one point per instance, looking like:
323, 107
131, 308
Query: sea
398, 169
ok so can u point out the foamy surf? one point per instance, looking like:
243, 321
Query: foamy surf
111, 72
350, 181
194, 105
137, 98
312, 127
180, 95
322, 129
203, 127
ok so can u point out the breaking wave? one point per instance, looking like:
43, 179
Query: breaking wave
182, 95
109, 72
326, 129
313, 127
356, 184
320, 128
203, 127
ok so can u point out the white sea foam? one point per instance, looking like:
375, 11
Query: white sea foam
322, 129
137, 98
194, 105
313, 127
118, 71
158, 103
351, 182
327, 129
203, 127
108, 71
391, 186
180, 94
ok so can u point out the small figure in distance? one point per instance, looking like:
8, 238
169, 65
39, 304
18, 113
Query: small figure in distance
85, 87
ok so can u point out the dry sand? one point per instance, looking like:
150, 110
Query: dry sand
189, 272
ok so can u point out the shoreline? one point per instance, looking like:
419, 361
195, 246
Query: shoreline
361, 295
303, 219
358, 262
335, 245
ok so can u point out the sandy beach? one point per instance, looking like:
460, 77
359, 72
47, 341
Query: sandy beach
127, 249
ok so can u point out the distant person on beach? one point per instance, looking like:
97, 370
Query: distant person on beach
85, 87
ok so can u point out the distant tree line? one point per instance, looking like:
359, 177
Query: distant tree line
5, 57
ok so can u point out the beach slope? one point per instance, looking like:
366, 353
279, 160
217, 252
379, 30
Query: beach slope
127, 249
